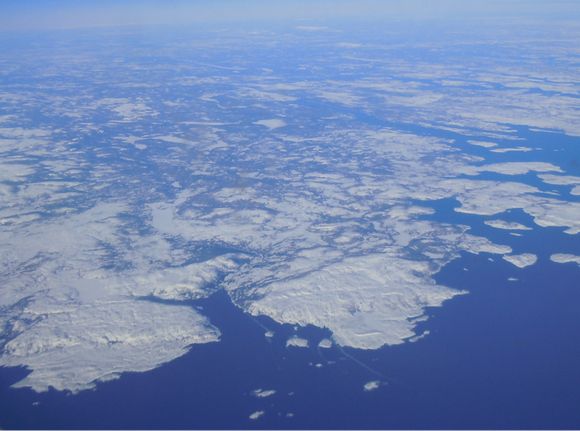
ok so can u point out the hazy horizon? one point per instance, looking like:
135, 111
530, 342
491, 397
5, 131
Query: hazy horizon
66, 14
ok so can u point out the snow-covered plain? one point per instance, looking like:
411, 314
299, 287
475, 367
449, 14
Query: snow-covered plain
109, 223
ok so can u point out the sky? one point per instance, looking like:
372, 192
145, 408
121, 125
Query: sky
62, 14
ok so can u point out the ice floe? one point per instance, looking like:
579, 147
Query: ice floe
263, 393
512, 168
419, 336
506, 225
512, 150
325, 343
563, 180
257, 415
560, 180
565, 258
297, 342
371, 386
484, 144
521, 260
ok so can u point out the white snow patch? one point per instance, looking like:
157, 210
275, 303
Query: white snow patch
297, 342
565, 258
419, 337
484, 144
502, 224
257, 415
272, 123
512, 150
371, 386
98, 342
511, 168
263, 393
560, 180
521, 260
